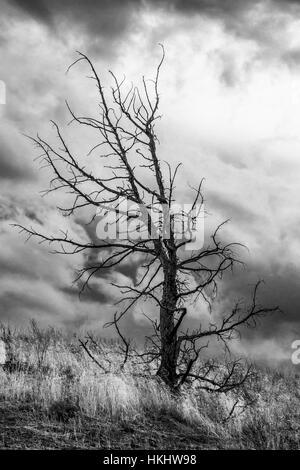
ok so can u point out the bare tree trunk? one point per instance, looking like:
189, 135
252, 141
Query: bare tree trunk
167, 368
127, 126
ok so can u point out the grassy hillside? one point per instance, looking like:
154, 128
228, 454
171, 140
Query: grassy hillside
52, 395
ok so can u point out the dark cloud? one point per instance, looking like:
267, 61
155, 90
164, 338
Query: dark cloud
233, 209
36, 8
90, 294
280, 288
15, 301
104, 19
292, 57
109, 15
33, 216
111, 18
128, 268
10, 167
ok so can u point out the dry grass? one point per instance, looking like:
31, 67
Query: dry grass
53, 396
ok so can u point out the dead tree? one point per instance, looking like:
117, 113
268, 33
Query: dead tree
171, 276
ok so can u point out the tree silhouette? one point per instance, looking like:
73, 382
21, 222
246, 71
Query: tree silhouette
171, 275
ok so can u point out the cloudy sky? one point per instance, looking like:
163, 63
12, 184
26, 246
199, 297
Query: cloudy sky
230, 99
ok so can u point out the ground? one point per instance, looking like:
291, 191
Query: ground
20, 428
53, 396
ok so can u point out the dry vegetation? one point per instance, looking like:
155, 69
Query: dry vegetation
52, 395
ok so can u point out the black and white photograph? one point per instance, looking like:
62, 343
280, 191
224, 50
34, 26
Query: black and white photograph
149, 228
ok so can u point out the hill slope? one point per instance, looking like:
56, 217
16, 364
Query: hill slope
53, 396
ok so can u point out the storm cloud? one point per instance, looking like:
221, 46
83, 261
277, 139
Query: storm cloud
112, 19
231, 108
